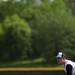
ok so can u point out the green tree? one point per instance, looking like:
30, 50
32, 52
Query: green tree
17, 38
70, 4
51, 24
52, 28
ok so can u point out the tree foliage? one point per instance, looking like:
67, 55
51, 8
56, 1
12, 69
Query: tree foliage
39, 29
16, 39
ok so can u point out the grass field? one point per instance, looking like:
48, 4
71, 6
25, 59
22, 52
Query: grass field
39, 62
26, 68
31, 71
29, 67
22, 63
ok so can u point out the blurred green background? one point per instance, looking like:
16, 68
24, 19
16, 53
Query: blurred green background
33, 31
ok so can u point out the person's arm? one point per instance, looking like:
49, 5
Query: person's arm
69, 69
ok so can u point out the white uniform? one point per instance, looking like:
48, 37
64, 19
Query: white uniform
72, 64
